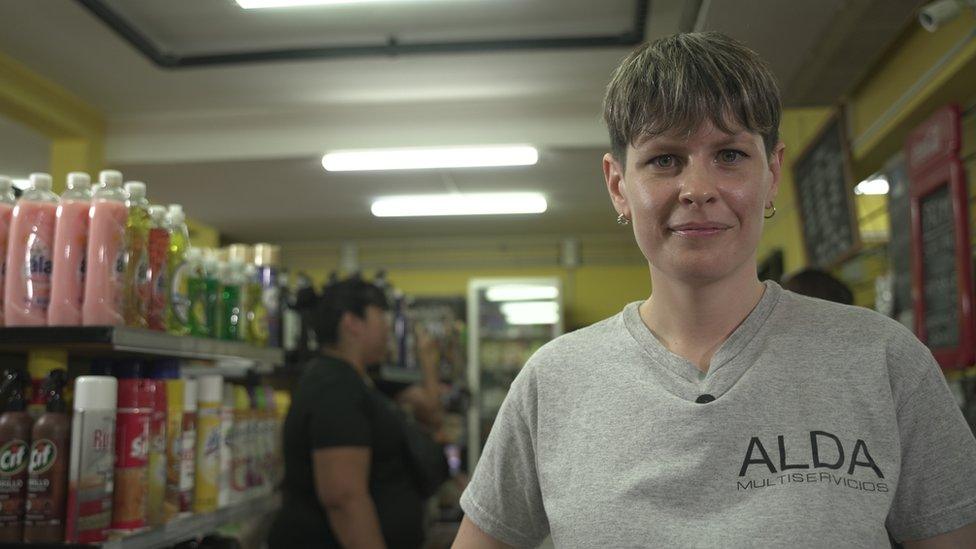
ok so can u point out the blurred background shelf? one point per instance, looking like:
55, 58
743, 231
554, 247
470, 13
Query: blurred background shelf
99, 340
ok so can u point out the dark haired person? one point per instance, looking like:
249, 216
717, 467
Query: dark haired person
820, 284
721, 411
346, 482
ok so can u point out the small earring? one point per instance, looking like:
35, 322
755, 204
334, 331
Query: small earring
772, 213
622, 220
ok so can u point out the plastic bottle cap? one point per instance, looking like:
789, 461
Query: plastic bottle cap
194, 254
41, 181
175, 208
136, 189
110, 178
176, 216
5, 183
158, 213
79, 180
96, 393
190, 395
210, 388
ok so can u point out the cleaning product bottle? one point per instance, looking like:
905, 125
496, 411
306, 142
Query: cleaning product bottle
137, 227
179, 301
91, 473
196, 286
135, 409
70, 250
240, 469
211, 274
156, 495
47, 483
30, 259
158, 301
7, 203
188, 453
15, 431
256, 315
230, 300
210, 397
107, 257
175, 390
266, 258
40, 363
227, 445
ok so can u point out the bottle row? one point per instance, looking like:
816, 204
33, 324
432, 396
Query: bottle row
109, 258
135, 453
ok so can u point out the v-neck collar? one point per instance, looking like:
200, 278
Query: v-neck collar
718, 369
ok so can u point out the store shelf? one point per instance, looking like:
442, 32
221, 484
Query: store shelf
98, 340
196, 525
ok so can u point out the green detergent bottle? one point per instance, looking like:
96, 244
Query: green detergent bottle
211, 279
230, 300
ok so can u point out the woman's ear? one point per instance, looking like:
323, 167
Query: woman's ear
613, 173
776, 169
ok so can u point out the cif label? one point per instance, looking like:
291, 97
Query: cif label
43, 455
13, 457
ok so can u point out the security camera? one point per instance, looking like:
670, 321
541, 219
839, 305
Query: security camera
935, 14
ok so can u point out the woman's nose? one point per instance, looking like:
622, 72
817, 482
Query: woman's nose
697, 185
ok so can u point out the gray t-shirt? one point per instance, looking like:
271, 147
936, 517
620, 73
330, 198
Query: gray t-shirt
829, 423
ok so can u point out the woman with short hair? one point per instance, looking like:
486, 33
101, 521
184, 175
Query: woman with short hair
720, 411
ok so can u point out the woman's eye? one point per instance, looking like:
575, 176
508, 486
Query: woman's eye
663, 161
729, 156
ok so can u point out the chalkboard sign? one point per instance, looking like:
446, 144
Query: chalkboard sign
939, 269
941, 257
824, 192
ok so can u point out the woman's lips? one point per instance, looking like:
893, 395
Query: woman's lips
698, 229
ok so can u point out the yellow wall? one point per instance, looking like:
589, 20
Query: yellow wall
590, 292
76, 130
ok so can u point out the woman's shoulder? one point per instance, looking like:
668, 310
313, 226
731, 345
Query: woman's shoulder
326, 372
827, 316
581, 343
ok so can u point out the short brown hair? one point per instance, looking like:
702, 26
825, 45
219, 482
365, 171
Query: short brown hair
675, 83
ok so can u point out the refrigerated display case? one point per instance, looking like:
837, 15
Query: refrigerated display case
508, 320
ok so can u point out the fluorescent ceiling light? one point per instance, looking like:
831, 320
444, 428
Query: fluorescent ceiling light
429, 158
531, 312
260, 4
878, 185
521, 292
459, 204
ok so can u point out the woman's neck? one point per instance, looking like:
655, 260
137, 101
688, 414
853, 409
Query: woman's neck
693, 321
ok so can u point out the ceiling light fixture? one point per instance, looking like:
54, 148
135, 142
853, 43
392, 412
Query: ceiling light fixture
531, 312
430, 158
521, 292
459, 204
875, 186
261, 4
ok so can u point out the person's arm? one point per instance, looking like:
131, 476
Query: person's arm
342, 486
957, 539
469, 536
424, 399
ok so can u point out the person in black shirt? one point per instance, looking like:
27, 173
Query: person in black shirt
346, 482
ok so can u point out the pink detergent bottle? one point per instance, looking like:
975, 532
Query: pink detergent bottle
7, 203
27, 292
107, 254
70, 249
